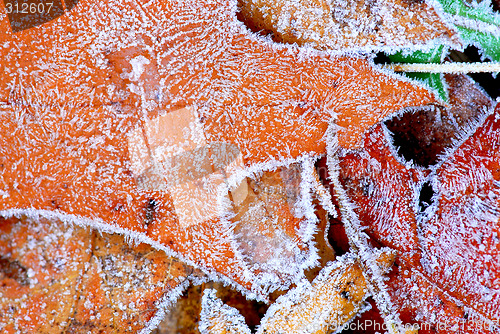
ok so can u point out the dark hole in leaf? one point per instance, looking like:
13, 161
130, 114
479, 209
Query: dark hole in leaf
416, 135
381, 58
14, 270
425, 196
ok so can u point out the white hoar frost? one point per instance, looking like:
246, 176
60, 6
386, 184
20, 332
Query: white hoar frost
161, 78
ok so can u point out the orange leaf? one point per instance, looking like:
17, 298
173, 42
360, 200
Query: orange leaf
56, 278
341, 26
83, 98
328, 303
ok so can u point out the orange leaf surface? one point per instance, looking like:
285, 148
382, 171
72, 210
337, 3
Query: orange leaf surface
118, 121
341, 26
328, 303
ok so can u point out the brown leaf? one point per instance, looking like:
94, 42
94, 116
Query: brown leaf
424, 134
56, 278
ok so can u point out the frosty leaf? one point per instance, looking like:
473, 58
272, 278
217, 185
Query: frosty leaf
267, 224
477, 24
326, 304
148, 125
218, 318
56, 278
445, 226
458, 267
359, 241
369, 177
464, 231
268, 79
348, 26
331, 300
433, 80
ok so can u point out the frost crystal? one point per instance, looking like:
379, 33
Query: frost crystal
216, 317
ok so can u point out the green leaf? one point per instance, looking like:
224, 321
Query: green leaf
435, 81
489, 44
433, 56
474, 11
477, 24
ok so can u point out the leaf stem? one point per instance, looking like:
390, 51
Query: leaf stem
323, 194
445, 67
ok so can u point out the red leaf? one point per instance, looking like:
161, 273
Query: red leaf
447, 270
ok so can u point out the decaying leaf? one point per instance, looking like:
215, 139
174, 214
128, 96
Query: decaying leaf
334, 297
58, 278
443, 221
81, 114
348, 26
268, 222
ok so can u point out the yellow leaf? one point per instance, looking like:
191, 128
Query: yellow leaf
335, 296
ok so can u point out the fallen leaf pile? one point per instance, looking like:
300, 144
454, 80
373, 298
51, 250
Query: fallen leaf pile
146, 147
443, 222
333, 298
235, 91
